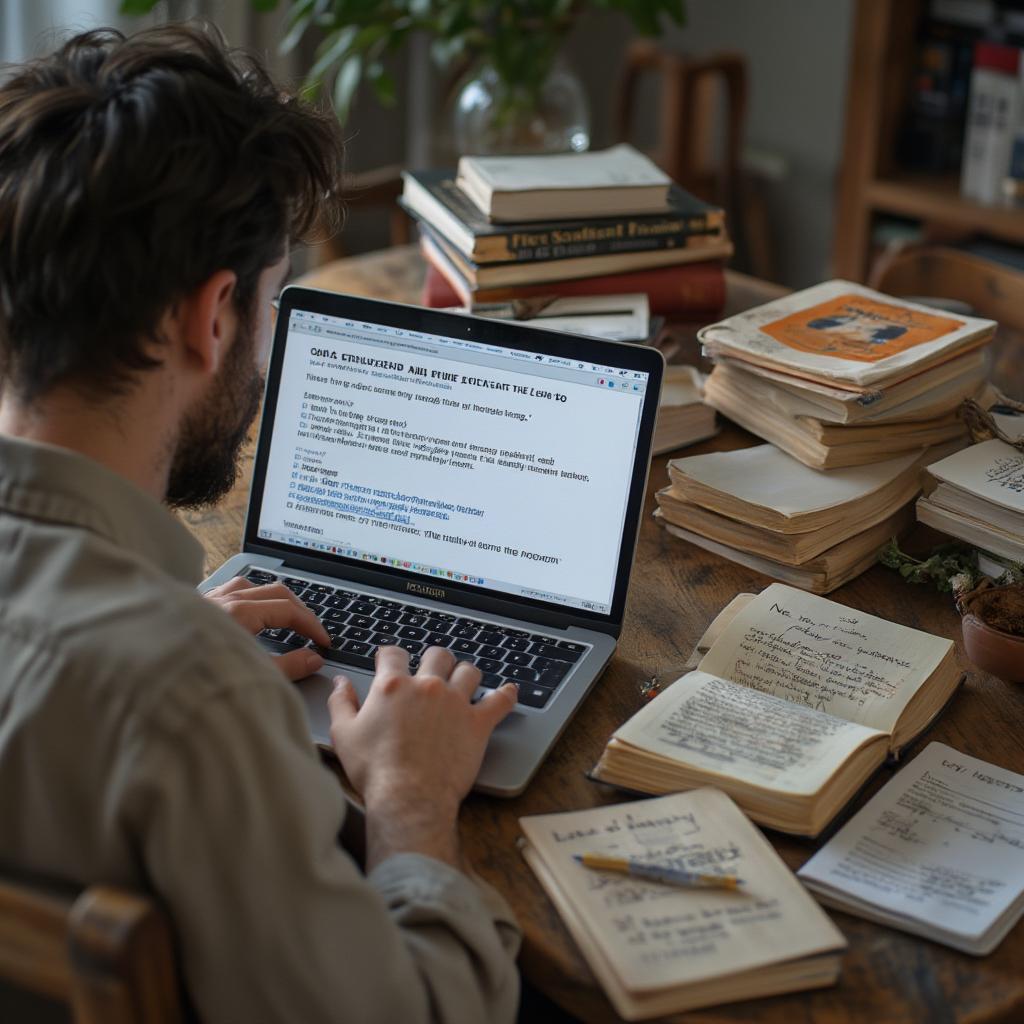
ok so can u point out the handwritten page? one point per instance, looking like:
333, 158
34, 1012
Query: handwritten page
735, 731
937, 851
835, 659
993, 470
652, 935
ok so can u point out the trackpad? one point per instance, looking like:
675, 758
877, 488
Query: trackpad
315, 690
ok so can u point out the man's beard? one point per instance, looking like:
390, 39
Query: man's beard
206, 459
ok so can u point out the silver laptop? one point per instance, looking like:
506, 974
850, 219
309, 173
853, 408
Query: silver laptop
429, 478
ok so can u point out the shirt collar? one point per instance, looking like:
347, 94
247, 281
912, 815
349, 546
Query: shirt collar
56, 485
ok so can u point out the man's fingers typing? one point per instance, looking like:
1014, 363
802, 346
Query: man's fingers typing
436, 661
343, 703
497, 704
465, 678
298, 664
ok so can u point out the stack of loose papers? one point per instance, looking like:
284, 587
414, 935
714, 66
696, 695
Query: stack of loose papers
979, 498
936, 852
840, 375
659, 949
806, 527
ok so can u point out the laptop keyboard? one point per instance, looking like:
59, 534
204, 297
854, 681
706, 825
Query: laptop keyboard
360, 623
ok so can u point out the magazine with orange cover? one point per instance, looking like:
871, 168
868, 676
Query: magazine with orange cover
846, 335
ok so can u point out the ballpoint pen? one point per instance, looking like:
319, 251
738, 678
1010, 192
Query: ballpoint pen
658, 872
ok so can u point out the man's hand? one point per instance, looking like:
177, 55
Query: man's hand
414, 748
273, 606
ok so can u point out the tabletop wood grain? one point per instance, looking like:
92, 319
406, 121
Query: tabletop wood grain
888, 977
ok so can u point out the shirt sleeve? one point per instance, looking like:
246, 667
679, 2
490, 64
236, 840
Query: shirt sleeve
238, 825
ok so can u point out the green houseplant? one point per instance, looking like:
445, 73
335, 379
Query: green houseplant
514, 43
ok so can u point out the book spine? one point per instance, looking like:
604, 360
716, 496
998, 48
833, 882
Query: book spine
595, 239
687, 291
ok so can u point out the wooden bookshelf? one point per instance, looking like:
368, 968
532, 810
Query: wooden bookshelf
871, 183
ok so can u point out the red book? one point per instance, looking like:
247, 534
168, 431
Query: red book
690, 290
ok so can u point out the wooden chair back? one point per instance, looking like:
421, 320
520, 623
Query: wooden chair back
105, 954
992, 289
695, 145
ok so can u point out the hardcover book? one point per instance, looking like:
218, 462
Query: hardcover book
433, 198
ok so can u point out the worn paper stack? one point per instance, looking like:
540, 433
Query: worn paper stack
840, 375
807, 527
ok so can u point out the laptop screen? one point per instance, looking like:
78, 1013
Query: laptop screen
501, 469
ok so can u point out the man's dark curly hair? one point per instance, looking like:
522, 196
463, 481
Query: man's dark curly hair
131, 169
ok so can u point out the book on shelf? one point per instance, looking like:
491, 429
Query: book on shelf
935, 852
978, 497
495, 275
611, 317
683, 418
846, 336
658, 949
821, 574
600, 183
752, 482
433, 198
821, 444
792, 709
692, 290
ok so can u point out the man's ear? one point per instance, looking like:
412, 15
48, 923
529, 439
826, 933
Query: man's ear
208, 320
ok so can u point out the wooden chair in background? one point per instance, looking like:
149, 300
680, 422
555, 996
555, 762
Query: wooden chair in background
105, 955
992, 290
699, 136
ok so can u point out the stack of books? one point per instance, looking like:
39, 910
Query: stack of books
602, 223
977, 496
857, 392
840, 375
765, 510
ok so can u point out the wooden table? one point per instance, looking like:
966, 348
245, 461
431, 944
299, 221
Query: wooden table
888, 977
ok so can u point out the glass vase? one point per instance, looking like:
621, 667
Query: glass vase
492, 116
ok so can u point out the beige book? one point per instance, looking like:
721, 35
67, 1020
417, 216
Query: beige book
658, 949
845, 335
601, 183
922, 396
979, 497
821, 574
792, 709
767, 488
789, 548
683, 418
793, 437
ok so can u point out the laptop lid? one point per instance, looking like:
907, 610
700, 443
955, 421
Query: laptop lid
494, 466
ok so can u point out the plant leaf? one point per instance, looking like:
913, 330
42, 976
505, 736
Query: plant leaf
345, 85
137, 6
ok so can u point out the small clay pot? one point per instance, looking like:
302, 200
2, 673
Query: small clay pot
991, 649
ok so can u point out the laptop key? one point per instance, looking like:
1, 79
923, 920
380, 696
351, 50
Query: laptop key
436, 625
488, 636
514, 643
363, 622
352, 633
550, 678
388, 628
333, 601
294, 585
534, 696
518, 658
335, 615
508, 631
354, 647
412, 646
350, 658
558, 669
554, 653
489, 665
497, 653
412, 620
260, 578
519, 674
279, 634
491, 679
411, 633
464, 656
464, 647
570, 646
361, 607
387, 614
437, 640
464, 631
297, 640
312, 598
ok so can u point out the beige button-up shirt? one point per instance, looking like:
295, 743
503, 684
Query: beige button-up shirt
147, 741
